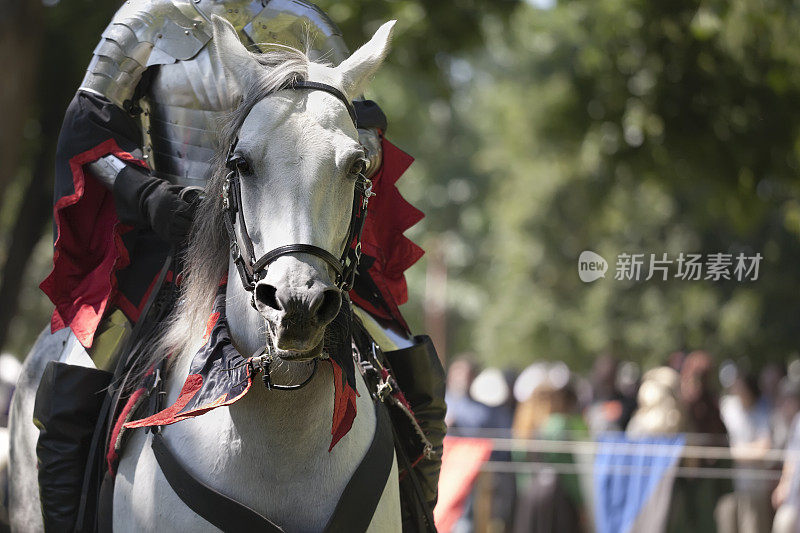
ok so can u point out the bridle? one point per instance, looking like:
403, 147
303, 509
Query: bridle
252, 269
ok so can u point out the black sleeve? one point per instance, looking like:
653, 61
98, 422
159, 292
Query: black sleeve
141, 200
91, 120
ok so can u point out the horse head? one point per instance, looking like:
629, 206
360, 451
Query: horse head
296, 165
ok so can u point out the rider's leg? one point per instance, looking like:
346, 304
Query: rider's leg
68, 402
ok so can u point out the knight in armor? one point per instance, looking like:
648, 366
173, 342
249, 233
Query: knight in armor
134, 153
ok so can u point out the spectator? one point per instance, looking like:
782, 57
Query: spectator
463, 412
550, 501
660, 411
786, 496
609, 410
478, 403
770, 381
748, 508
693, 500
492, 388
699, 400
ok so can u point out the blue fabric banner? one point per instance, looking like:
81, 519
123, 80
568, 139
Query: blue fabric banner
627, 474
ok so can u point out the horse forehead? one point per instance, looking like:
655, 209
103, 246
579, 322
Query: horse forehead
300, 107
291, 121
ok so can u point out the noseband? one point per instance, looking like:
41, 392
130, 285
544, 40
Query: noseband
252, 270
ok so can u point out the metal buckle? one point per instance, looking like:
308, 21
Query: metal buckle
384, 389
367, 193
226, 191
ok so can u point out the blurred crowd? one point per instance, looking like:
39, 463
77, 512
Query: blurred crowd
750, 418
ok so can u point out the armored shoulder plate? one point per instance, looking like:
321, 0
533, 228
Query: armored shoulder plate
301, 25
295, 23
141, 34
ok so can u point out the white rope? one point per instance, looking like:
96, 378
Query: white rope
577, 447
681, 471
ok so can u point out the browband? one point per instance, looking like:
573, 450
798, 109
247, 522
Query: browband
330, 89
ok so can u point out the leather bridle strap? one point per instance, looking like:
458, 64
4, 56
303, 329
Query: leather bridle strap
275, 253
330, 89
250, 269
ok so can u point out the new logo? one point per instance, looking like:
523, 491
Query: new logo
591, 266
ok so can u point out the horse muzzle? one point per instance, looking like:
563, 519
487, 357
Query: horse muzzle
297, 316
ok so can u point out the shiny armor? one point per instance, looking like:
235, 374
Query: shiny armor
188, 90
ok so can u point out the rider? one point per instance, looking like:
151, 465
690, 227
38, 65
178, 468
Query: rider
135, 150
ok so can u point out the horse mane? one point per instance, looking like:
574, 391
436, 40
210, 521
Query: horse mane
206, 257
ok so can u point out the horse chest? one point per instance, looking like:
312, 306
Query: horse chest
269, 452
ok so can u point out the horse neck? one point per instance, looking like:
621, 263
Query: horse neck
270, 450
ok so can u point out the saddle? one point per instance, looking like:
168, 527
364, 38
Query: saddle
407, 387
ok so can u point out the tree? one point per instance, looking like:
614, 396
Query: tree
642, 128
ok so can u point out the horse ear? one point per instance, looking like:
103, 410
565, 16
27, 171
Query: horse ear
237, 61
357, 69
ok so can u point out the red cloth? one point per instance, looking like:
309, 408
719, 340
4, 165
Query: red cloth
344, 405
88, 249
112, 456
388, 216
461, 463
223, 386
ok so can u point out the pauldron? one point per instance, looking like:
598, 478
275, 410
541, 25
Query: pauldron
144, 33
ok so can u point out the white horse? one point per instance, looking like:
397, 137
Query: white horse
268, 451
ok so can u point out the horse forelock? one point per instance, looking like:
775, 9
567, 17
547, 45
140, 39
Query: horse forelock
206, 255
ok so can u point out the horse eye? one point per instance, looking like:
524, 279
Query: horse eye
359, 167
242, 165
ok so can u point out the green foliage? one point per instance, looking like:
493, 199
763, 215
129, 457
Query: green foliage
625, 126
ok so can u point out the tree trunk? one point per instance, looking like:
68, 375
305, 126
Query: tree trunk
20, 43
33, 218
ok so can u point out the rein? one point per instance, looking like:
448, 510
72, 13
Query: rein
251, 269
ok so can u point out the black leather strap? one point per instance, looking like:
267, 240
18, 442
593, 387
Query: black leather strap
360, 498
243, 253
225, 513
316, 86
353, 513
322, 253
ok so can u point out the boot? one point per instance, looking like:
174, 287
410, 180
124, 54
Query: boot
68, 403
420, 375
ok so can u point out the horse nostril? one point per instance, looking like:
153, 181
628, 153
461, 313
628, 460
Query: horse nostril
327, 305
266, 294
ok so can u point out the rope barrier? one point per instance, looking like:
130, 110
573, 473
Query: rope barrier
576, 447
510, 467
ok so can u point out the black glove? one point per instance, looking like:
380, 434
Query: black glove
143, 200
